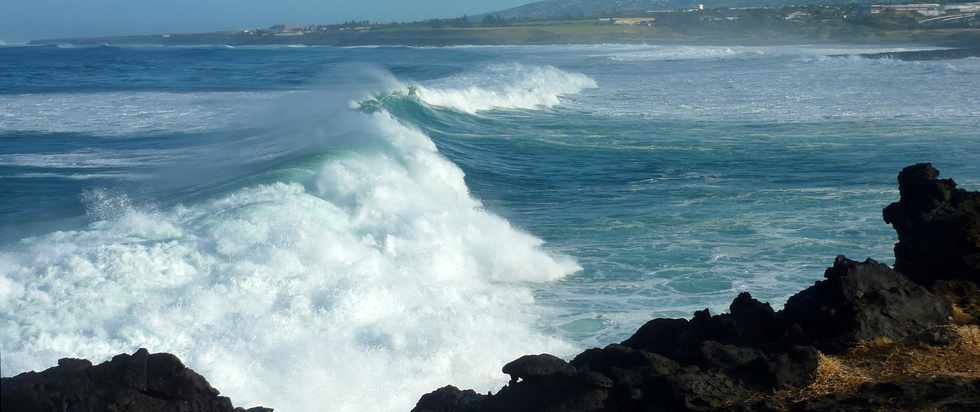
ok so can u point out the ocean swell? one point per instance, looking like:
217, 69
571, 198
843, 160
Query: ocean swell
359, 288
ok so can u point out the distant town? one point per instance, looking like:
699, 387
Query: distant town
950, 23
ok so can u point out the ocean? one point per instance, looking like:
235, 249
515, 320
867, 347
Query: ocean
345, 229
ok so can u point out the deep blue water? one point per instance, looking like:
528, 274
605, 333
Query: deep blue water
429, 214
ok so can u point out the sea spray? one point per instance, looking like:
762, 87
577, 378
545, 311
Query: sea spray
360, 288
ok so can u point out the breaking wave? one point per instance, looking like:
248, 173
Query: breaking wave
511, 86
366, 282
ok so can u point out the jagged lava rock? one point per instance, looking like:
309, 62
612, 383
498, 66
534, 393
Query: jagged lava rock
648, 381
938, 227
750, 344
536, 367
749, 323
548, 383
141, 382
449, 399
861, 301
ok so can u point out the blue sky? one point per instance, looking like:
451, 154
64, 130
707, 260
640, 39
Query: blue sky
35, 19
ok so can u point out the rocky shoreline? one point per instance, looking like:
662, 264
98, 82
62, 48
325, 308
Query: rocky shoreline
142, 382
818, 353
867, 337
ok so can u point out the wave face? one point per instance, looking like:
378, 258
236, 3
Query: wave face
372, 281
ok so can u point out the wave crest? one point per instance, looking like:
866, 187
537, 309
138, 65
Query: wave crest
371, 282
512, 86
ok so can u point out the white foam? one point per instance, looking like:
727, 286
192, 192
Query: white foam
9, 43
86, 159
796, 84
658, 53
510, 86
77, 176
126, 113
376, 282
669, 53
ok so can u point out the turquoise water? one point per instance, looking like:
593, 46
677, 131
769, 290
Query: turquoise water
368, 224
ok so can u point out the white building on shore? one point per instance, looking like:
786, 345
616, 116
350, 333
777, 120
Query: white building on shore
925, 9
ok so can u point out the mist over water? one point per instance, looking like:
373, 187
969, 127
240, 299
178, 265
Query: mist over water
379, 268
356, 227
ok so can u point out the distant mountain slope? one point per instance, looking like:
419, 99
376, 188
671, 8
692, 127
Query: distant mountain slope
557, 9
587, 8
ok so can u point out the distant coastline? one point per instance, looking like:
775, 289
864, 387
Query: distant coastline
960, 39
723, 26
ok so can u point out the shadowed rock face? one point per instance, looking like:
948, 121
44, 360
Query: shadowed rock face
860, 302
938, 227
139, 382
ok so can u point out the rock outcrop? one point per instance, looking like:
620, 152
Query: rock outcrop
938, 227
141, 382
860, 302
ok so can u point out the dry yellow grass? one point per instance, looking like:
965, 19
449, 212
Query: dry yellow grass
961, 317
895, 361
886, 361
964, 298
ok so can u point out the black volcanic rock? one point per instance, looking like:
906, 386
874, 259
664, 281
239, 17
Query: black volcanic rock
537, 367
754, 345
449, 399
713, 362
755, 321
938, 227
681, 339
141, 382
641, 378
794, 366
663, 336
625, 365
861, 301
562, 391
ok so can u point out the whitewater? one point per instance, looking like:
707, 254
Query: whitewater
382, 270
346, 229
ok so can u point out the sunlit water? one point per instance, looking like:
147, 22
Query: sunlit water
356, 227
